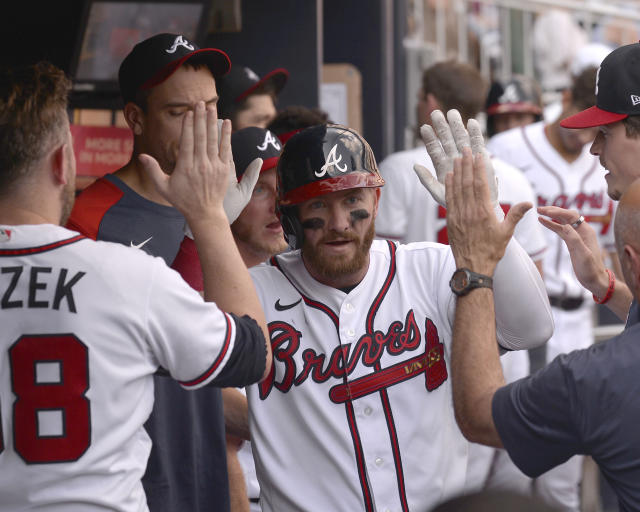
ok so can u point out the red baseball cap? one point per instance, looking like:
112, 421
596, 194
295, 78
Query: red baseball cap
617, 90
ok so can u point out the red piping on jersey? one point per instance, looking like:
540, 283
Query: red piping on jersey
307, 300
42, 248
92, 205
353, 427
393, 436
218, 360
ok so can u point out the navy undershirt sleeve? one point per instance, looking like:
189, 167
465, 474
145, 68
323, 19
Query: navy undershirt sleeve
247, 361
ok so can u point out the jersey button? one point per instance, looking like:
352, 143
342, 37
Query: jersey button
351, 333
348, 307
367, 411
379, 461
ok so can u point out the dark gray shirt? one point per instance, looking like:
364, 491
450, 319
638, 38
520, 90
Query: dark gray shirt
586, 402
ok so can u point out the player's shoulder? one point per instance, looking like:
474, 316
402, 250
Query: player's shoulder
92, 204
404, 159
508, 173
411, 251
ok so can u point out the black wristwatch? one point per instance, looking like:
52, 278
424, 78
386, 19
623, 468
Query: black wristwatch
464, 280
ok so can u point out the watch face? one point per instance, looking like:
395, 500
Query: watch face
460, 280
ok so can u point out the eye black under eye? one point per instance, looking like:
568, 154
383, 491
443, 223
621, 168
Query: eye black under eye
314, 223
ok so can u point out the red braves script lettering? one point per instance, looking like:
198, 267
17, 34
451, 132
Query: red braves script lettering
285, 342
579, 201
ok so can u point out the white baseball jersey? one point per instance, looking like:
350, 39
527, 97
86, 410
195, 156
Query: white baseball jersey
408, 213
357, 411
578, 185
85, 325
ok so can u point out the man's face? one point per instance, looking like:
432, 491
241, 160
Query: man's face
167, 105
257, 231
259, 111
619, 155
508, 120
338, 231
574, 140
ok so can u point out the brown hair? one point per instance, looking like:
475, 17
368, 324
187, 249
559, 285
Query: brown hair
297, 117
632, 126
456, 85
33, 103
583, 92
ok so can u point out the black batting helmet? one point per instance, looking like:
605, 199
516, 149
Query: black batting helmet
519, 94
317, 161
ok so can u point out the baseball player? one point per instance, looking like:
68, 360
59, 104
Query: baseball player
161, 80
562, 172
248, 100
86, 324
407, 214
512, 103
356, 413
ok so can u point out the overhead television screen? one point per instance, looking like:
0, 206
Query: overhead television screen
112, 29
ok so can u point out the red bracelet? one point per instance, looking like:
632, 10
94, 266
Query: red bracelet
612, 285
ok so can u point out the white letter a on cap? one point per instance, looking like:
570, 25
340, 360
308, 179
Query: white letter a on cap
332, 160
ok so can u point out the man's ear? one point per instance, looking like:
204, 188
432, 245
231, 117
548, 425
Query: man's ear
432, 104
59, 158
376, 201
134, 116
567, 98
633, 259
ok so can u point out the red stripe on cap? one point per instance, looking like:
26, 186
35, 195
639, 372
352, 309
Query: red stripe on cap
507, 108
590, 117
262, 81
269, 163
286, 136
171, 68
319, 188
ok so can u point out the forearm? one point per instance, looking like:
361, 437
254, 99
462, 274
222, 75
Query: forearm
226, 278
621, 299
476, 370
523, 313
236, 413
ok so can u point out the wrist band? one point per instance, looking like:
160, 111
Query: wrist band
612, 285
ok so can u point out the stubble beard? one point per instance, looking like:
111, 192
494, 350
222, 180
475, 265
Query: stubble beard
339, 266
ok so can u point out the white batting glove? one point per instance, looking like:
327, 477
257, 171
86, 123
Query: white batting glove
444, 145
239, 194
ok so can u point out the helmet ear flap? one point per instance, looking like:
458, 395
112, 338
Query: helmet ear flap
293, 232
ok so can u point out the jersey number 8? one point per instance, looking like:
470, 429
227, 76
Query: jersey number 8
51, 414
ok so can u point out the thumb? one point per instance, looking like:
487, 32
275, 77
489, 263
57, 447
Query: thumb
515, 214
429, 181
250, 176
152, 168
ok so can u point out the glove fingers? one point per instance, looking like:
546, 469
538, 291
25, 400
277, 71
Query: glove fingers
428, 180
250, 176
460, 134
441, 127
476, 137
436, 152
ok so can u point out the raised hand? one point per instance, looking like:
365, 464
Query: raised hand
198, 183
582, 242
478, 239
444, 143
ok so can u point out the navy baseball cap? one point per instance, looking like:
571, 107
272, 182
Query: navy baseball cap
155, 59
251, 143
617, 90
242, 81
